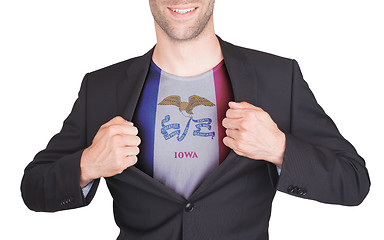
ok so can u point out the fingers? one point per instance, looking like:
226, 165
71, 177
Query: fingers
238, 124
124, 140
243, 112
229, 142
232, 144
236, 139
242, 105
116, 121
118, 125
247, 115
130, 160
231, 123
236, 134
119, 129
125, 162
234, 113
124, 158
124, 152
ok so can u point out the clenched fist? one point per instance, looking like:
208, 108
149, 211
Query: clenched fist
252, 133
114, 148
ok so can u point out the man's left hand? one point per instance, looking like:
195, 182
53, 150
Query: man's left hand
252, 133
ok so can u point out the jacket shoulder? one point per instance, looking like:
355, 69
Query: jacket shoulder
116, 72
258, 57
112, 72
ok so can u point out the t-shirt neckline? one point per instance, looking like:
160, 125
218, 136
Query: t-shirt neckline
189, 78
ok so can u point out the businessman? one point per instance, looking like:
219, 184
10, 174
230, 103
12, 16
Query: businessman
194, 138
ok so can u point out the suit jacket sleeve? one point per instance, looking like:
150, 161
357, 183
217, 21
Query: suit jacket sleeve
319, 163
51, 182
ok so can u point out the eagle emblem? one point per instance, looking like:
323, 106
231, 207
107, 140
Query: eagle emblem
193, 101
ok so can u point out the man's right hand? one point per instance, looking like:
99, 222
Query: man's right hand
114, 148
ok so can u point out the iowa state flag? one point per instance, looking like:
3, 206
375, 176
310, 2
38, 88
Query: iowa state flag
179, 122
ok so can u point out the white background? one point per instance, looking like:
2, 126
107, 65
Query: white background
47, 47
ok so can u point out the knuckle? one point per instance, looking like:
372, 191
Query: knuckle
132, 151
266, 115
132, 160
243, 124
250, 114
237, 145
132, 141
240, 153
260, 109
115, 139
118, 119
240, 147
242, 135
112, 129
263, 115
116, 153
120, 165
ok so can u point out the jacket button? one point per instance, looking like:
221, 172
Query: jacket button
302, 192
291, 189
189, 207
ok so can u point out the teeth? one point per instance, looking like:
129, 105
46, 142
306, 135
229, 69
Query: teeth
182, 11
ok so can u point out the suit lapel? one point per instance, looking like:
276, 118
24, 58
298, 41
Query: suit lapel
243, 76
128, 93
129, 88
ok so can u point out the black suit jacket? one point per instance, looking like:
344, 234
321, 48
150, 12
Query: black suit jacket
234, 202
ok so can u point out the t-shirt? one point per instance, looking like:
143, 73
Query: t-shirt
180, 124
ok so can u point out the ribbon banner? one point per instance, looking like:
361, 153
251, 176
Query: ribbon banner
200, 123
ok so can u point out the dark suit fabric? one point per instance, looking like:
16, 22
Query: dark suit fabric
234, 202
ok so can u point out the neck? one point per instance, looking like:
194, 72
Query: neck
188, 57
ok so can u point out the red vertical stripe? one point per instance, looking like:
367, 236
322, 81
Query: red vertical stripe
224, 95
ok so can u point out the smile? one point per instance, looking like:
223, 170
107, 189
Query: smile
183, 11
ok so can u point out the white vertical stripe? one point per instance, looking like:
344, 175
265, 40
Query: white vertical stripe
183, 175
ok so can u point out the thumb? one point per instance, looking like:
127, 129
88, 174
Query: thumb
241, 105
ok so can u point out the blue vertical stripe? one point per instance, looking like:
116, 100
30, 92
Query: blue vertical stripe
144, 119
